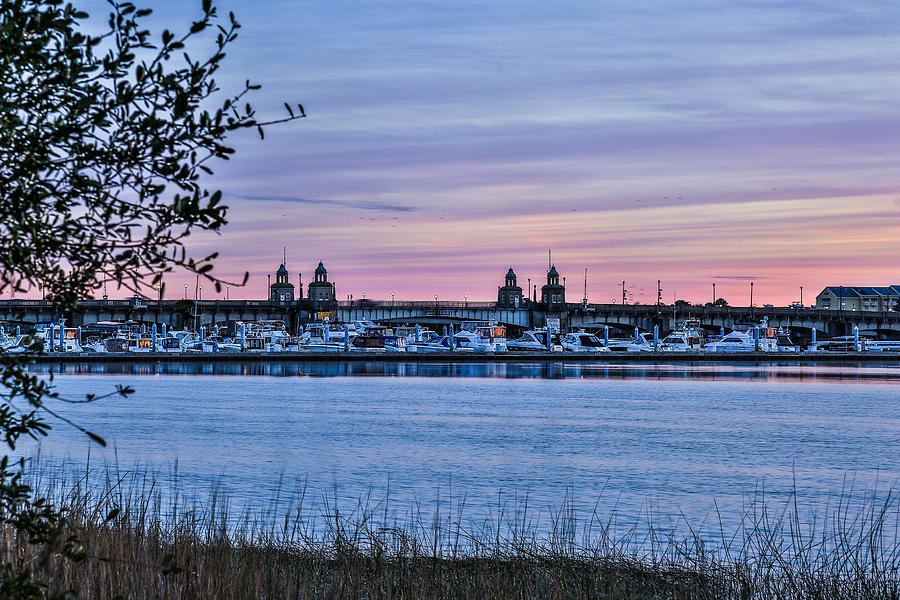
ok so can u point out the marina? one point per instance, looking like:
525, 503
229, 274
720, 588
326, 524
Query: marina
475, 341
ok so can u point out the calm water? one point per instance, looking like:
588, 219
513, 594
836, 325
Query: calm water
673, 439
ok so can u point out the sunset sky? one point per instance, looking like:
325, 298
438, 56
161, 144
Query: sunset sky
692, 142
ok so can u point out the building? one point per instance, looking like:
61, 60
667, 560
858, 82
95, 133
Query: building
321, 291
855, 298
510, 295
282, 290
553, 295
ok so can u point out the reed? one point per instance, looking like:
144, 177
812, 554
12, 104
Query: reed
144, 538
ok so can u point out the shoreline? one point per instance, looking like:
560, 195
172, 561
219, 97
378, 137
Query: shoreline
845, 358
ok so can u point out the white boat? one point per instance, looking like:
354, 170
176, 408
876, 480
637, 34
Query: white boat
481, 337
743, 341
411, 332
50, 335
640, 343
324, 336
882, 346
378, 339
533, 340
687, 337
753, 337
783, 341
582, 342
265, 336
428, 341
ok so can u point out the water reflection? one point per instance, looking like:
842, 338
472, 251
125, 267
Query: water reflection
884, 373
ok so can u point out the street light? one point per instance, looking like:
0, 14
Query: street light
226, 291
200, 293
392, 299
185, 291
435, 299
466, 296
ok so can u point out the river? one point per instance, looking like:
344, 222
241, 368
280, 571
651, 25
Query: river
621, 442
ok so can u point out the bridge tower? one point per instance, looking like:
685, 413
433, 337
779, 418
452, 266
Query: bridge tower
553, 295
281, 291
510, 295
321, 291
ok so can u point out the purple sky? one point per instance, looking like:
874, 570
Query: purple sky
692, 142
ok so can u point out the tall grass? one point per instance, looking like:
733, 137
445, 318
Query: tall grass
144, 538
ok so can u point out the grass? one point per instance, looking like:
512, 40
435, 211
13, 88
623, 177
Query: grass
142, 542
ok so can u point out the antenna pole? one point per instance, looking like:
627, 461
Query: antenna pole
585, 285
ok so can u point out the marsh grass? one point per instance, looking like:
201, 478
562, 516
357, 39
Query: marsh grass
144, 538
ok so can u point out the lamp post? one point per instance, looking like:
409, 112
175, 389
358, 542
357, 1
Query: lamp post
623, 292
801, 296
185, 291
392, 299
200, 293
841, 304
714, 293
435, 300
158, 293
466, 297
751, 299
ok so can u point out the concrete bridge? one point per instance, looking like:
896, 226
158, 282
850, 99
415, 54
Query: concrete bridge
621, 319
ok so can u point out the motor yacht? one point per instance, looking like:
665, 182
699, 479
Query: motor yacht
378, 339
582, 341
743, 341
688, 336
481, 336
640, 343
265, 336
429, 341
534, 340
882, 346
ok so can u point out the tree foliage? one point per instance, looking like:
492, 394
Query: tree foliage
105, 142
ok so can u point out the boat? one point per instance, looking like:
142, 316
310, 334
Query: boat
640, 343
481, 336
882, 346
265, 336
688, 336
582, 341
53, 341
378, 339
842, 343
429, 341
742, 341
534, 340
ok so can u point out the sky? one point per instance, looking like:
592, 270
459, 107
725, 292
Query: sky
690, 142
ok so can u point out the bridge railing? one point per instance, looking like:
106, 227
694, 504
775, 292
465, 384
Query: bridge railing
366, 303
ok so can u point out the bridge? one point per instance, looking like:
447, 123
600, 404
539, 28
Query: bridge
619, 318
